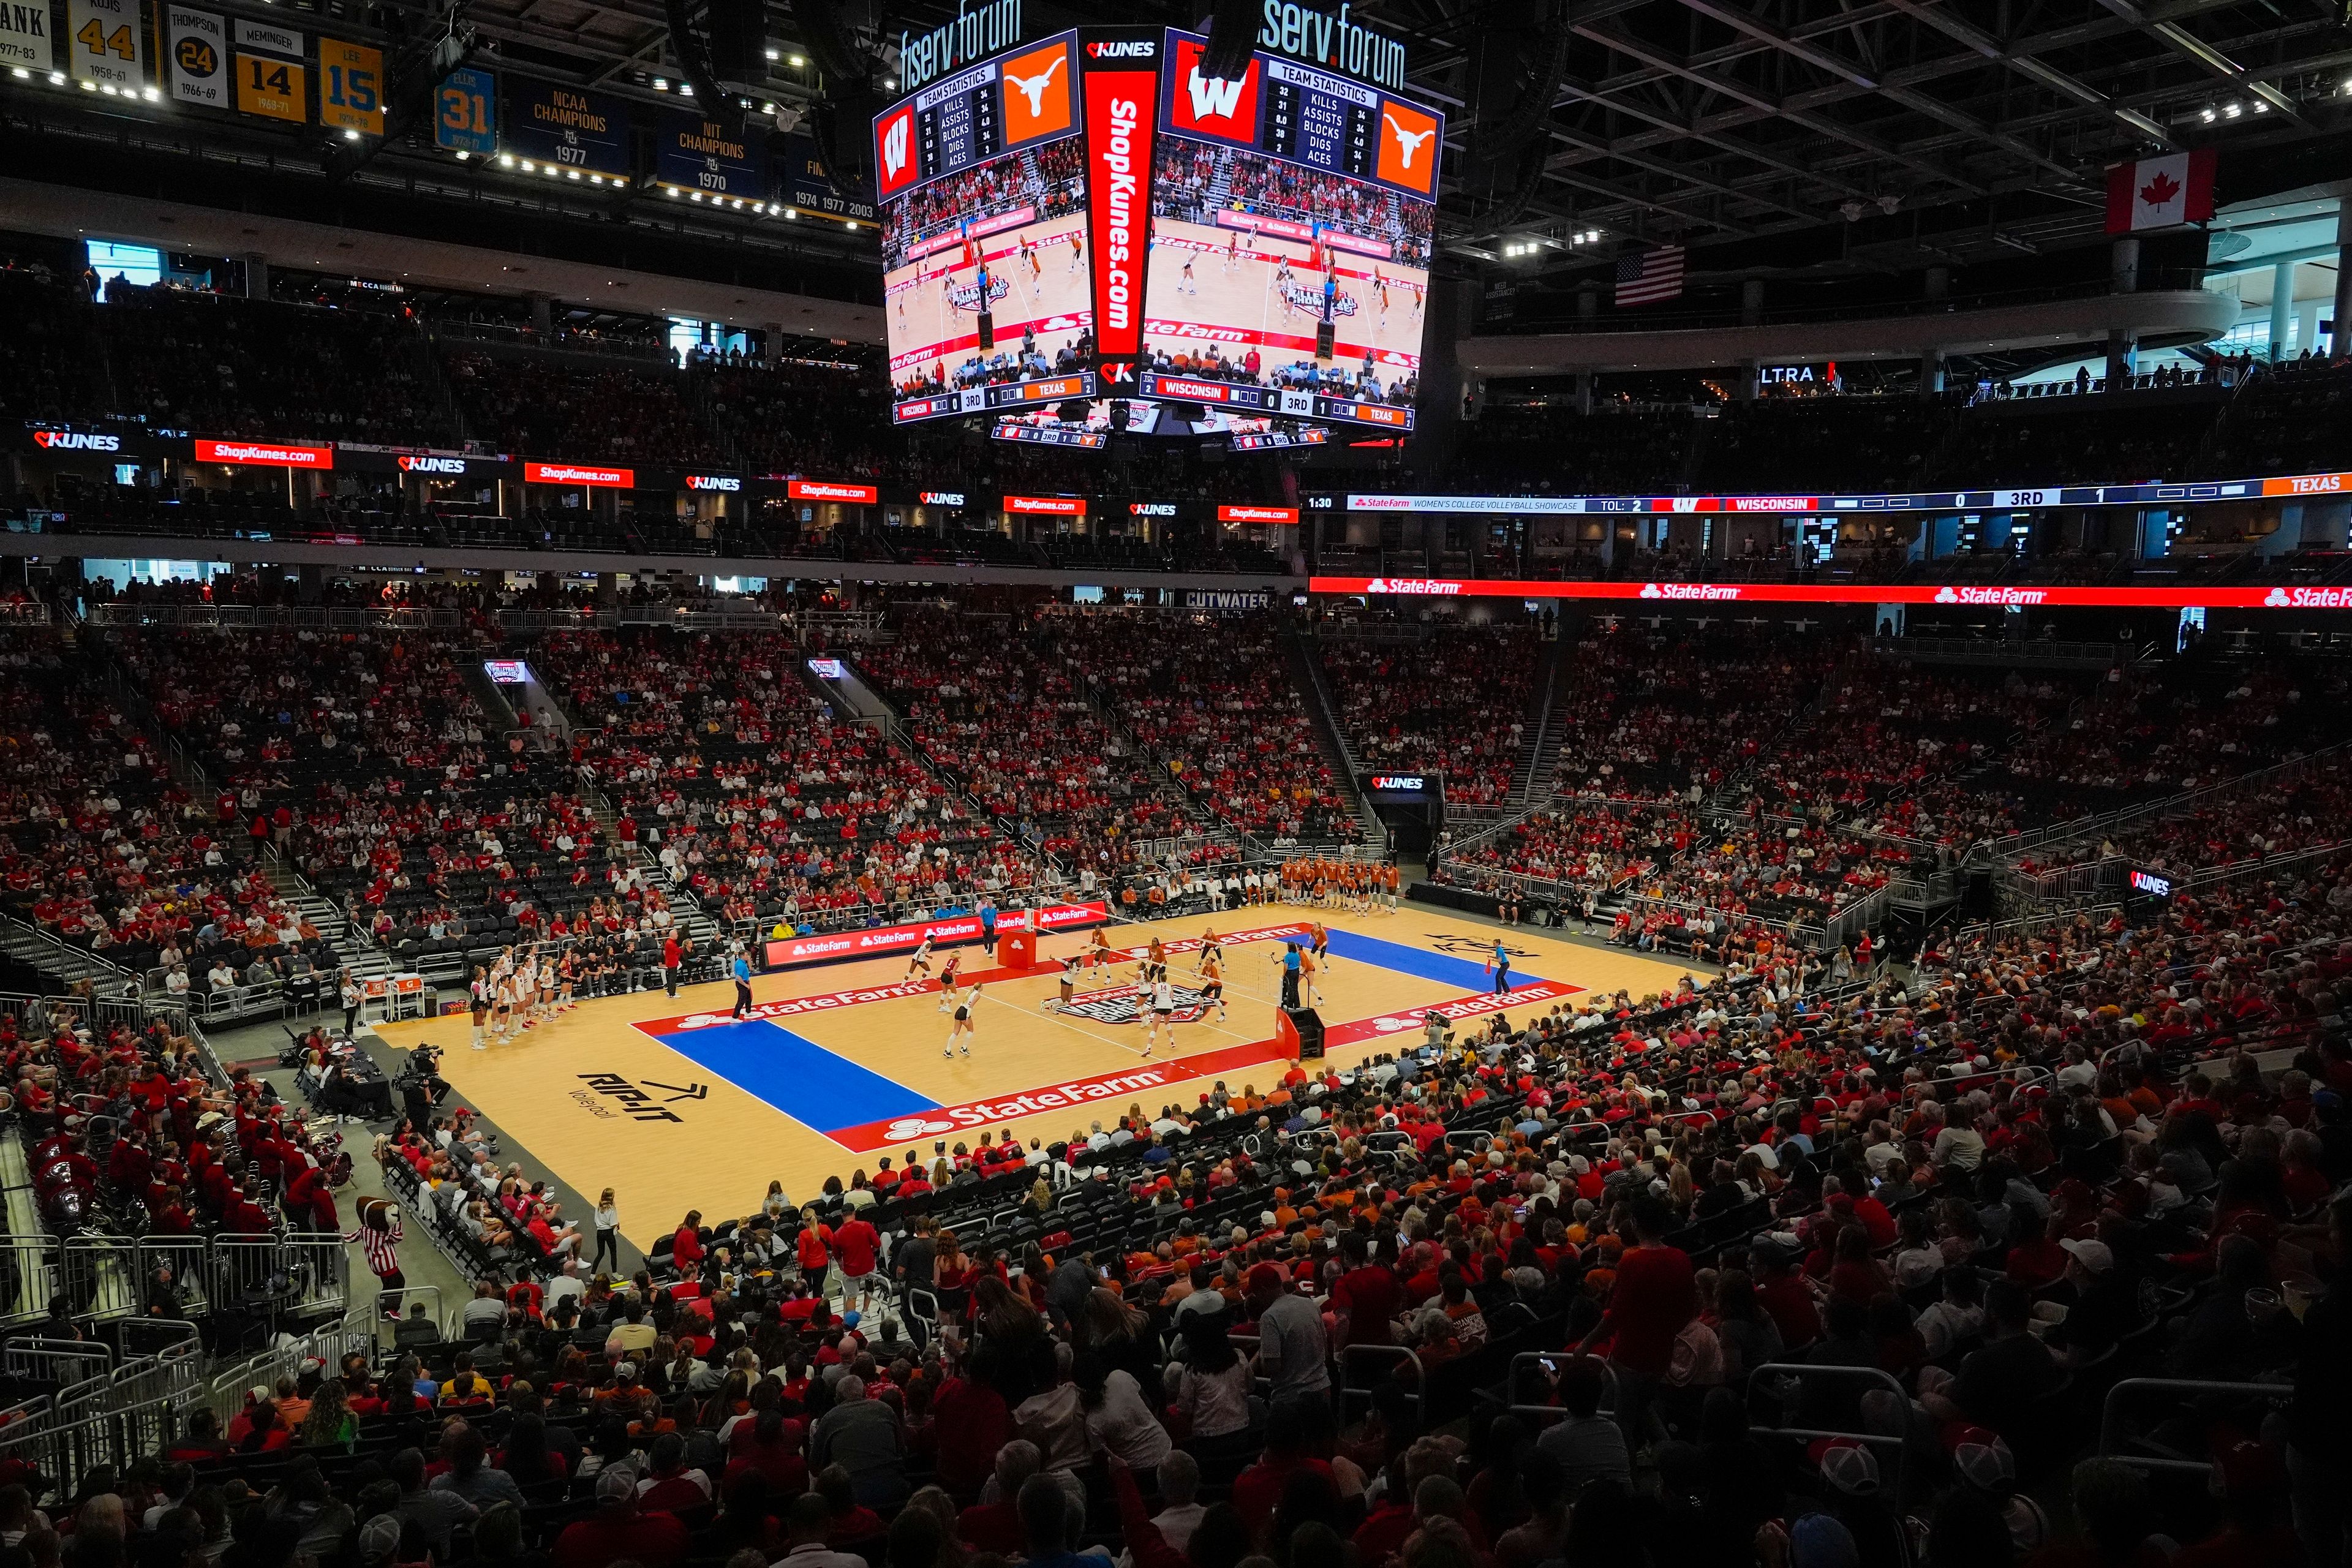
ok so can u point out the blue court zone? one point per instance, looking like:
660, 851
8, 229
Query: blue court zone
815, 1088
1468, 973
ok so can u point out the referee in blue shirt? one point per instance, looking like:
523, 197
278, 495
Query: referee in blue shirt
741, 970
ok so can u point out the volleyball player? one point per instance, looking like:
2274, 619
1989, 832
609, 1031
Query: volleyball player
1212, 951
1029, 254
1184, 283
1233, 251
1213, 978
1321, 949
948, 980
920, 963
1162, 1015
1070, 968
961, 1029
478, 991
546, 987
1099, 952
1078, 250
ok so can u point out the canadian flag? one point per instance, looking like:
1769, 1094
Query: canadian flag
2160, 192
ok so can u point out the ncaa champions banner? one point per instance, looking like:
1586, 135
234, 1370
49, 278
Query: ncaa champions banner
1120, 79
198, 42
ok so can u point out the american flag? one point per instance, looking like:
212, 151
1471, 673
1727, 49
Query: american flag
1649, 276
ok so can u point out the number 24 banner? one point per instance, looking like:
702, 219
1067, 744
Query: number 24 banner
198, 44
107, 42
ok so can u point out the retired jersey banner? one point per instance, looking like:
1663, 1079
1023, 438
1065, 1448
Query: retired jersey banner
24, 40
350, 87
197, 44
465, 112
107, 42
272, 79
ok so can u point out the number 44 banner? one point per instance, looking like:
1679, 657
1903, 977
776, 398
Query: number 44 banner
106, 42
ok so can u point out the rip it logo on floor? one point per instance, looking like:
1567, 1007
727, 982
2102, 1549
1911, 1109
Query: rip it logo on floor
639, 1101
1128, 1004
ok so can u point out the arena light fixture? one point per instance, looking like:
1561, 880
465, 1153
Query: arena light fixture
151, 96
661, 84
685, 89
56, 78
90, 85
770, 53
463, 154
799, 60
2207, 115
20, 73
2233, 108
792, 212
553, 173
350, 135
673, 192
851, 223
575, 173
529, 167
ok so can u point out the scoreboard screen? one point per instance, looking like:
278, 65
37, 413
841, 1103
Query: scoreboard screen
1089, 216
1287, 202
983, 214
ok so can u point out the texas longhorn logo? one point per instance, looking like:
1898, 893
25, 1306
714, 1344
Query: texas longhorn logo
1409, 142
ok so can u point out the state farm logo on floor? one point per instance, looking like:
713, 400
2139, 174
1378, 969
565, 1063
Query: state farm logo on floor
1129, 1004
638, 1099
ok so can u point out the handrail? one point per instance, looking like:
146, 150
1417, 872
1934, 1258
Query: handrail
2110, 1415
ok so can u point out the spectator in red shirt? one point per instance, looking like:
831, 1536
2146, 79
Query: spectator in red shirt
1649, 1304
856, 1243
620, 1529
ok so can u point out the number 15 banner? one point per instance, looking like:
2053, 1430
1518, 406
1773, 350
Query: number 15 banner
107, 42
350, 87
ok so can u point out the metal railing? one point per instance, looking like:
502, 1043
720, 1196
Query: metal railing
2104, 823
2116, 1443
126, 614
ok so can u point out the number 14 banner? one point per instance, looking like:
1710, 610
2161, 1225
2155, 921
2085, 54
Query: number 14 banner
107, 44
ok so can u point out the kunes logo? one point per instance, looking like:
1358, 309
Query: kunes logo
1124, 49
433, 465
713, 482
1434, 585
1151, 508
76, 441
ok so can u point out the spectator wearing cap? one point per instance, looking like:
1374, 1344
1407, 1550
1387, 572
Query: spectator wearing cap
1293, 1349
620, 1530
2106, 1305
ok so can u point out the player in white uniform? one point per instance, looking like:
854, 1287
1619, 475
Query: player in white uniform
1161, 1018
961, 1030
921, 963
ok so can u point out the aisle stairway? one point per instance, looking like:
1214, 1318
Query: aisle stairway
1539, 761
1306, 662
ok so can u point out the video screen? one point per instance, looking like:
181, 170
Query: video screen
1280, 205
983, 214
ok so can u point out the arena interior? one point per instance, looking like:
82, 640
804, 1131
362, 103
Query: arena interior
1648, 866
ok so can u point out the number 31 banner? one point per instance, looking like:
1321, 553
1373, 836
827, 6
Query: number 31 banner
107, 42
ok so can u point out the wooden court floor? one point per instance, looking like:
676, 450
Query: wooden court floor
677, 1106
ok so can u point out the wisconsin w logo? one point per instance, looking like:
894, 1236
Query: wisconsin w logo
1213, 98
1129, 1004
893, 148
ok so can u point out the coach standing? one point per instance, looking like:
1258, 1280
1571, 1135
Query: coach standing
670, 956
741, 970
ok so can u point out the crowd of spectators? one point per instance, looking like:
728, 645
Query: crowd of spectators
1004, 711
544, 405
1456, 704
1212, 698
1813, 1275
752, 795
